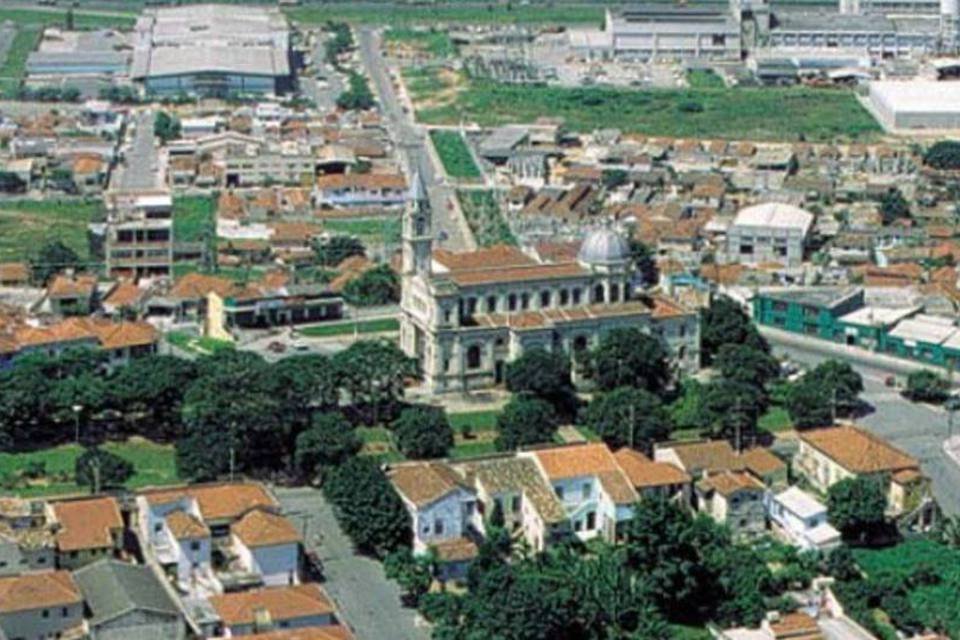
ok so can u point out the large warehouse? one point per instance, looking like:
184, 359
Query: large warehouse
916, 104
212, 50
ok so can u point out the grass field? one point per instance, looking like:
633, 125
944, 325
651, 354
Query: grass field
383, 229
476, 420
26, 225
380, 325
704, 79
14, 65
935, 604
483, 214
436, 43
454, 154
154, 464
200, 345
767, 113
81, 19
395, 14
193, 217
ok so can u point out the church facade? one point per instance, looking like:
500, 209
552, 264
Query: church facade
466, 315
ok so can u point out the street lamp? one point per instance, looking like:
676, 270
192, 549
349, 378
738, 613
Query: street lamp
77, 409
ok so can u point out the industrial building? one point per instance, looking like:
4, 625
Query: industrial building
916, 104
769, 232
212, 50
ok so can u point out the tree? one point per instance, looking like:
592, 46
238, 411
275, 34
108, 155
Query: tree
367, 507
628, 417
545, 375
943, 155
926, 386
373, 373
303, 385
893, 206
149, 391
52, 258
743, 363
414, 574
856, 506
97, 469
357, 96
613, 178
10, 182
525, 420
831, 388
166, 126
337, 249
808, 405
330, 441
645, 261
377, 286
724, 322
729, 409
629, 358
423, 432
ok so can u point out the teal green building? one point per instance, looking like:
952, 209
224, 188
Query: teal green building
813, 312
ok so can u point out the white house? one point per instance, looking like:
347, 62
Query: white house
267, 544
360, 189
190, 545
803, 519
245, 613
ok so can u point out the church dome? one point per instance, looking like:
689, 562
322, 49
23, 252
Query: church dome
604, 246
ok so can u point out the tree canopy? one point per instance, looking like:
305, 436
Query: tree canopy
893, 206
372, 372
545, 375
943, 155
98, 469
53, 257
377, 286
856, 506
629, 357
832, 387
525, 420
724, 322
423, 432
329, 441
628, 417
926, 386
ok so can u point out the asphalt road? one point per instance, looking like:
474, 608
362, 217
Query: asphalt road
368, 603
918, 429
411, 138
142, 160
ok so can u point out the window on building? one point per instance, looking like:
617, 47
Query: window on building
195, 545
525, 301
591, 520
559, 492
614, 293
473, 357
578, 525
586, 490
598, 293
544, 299
158, 527
512, 302
564, 297
45, 613
438, 527
446, 365
64, 612
577, 295
471, 306
491, 304
719, 40
446, 315
746, 249
515, 504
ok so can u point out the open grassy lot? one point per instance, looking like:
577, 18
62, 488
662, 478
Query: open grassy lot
193, 218
767, 113
397, 14
200, 345
154, 464
935, 604
483, 214
436, 43
15, 62
26, 225
380, 325
81, 19
704, 79
454, 154
381, 229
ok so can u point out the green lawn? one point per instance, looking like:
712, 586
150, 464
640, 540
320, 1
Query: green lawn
422, 82
14, 65
26, 225
379, 325
776, 419
81, 19
154, 464
193, 218
483, 214
454, 154
436, 43
472, 449
759, 113
201, 345
397, 14
704, 79
935, 604
381, 229
374, 434
477, 420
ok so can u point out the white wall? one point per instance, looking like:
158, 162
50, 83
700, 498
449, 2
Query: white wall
277, 564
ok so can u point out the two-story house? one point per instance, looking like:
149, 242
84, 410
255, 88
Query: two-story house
268, 545
86, 530
802, 519
36, 606
654, 480
734, 499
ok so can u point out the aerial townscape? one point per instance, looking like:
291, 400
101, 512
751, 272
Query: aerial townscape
479, 320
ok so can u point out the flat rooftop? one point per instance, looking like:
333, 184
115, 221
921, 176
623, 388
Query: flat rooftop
924, 328
813, 296
924, 96
878, 316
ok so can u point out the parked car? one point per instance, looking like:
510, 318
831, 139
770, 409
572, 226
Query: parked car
277, 347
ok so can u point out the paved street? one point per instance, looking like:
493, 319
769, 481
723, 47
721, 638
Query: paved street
918, 429
369, 603
411, 137
141, 167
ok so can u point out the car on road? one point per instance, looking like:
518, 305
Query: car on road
277, 347
301, 346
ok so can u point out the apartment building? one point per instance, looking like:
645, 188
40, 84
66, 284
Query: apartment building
139, 235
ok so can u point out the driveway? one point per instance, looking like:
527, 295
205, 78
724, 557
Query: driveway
368, 603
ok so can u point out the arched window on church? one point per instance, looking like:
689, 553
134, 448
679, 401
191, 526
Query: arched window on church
598, 293
473, 357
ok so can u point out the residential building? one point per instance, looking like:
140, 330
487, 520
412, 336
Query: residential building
654, 480
466, 315
769, 232
212, 50
776, 626
273, 608
139, 235
765, 466
268, 545
72, 294
831, 454
443, 511
128, 601
699, 458
14, 274
330, 632
360, 190
188, 545
41, 605
26, 538
734, 499
120, 340
802, 519
86, 530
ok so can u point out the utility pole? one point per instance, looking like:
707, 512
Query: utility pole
833, 407
633, 423
232, 461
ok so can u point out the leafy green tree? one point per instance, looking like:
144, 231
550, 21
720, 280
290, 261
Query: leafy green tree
373, 373
727, 408
377, 286
358, 95
808, 405
52, 258
99, 469
330, 441
414, 574
926, 386
423, 432
893, 206
525, 420
613, 178
841, 565
645, 261
724, 322
337, 249
857, 506
367, 507
628, 417
232, 419
166, 126
832, 387
149, 391
545, 375
742, 363
629, 358
943, 155
303, 385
